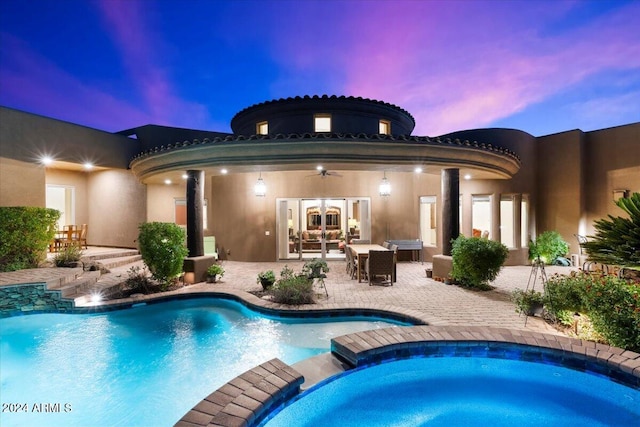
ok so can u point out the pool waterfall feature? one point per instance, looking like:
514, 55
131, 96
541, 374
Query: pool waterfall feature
255, 395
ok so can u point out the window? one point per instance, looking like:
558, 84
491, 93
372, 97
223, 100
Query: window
481, 216
322, 123
262, 128
507, 221
428, 230
385, 127
524, 222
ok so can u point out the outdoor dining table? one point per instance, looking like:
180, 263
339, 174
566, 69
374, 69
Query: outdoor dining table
361, 252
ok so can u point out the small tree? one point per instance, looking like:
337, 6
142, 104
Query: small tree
617, 239
162, 249
477, 261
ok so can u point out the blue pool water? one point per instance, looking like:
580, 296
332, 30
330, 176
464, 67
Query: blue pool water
463, 391
145, 366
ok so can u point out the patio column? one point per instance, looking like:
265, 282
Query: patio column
195, 213
450, 208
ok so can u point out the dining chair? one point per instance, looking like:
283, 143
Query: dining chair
380, 263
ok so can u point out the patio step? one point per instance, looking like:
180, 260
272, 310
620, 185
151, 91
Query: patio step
115, 253
115, 262
79, 286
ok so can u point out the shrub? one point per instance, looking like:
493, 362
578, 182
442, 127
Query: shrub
548, 246
162, 249
612, 304
25, 234
293, 290
617, 240
614, 308
69, 256
139, 281
477, 261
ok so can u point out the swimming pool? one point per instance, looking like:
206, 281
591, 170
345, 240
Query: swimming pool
446, 391
144, 366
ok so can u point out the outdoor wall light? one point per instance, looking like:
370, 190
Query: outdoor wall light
223, 171
185, 176
620, 194
467, 177
385, 186
418, 169
260, 189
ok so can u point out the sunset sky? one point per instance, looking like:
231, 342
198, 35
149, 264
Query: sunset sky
539, 66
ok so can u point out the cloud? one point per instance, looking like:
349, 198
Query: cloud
457, 65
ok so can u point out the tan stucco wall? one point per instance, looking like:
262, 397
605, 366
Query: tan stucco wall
239, 219
613, 162
117, 204
21, 183
161, 201
561, 186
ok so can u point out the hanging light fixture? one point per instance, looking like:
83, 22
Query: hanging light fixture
260, 189
385, 186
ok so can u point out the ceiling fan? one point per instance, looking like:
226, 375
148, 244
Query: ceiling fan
323, 173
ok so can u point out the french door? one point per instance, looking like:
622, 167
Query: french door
319, 228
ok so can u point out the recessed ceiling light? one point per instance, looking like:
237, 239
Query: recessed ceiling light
88, 166
467, 177
418, 169
319, 167
167, 181
224, 171
185, 176
46, 160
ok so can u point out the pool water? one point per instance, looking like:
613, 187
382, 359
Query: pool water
145, 366
463, 391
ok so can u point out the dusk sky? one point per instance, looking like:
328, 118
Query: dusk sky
539, 66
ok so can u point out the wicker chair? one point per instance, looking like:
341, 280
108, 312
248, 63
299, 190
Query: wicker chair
380, 264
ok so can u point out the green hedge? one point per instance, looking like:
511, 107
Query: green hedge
162, 250
612, 304
477, 261
25, 234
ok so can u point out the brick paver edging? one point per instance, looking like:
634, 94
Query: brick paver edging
246, 399
249, 398
375, 346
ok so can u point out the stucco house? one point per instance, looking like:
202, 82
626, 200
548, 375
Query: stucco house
297, 167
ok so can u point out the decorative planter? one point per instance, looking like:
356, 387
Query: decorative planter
535, 309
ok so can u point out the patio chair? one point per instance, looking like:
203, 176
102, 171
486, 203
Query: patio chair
352, 263
82, 236
380, 264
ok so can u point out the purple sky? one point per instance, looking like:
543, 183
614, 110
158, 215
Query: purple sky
539, 66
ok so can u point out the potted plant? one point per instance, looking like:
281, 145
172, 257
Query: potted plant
528, 302
214, 272
315, 268
266, 279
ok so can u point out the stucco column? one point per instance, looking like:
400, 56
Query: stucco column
195, 213
450, 208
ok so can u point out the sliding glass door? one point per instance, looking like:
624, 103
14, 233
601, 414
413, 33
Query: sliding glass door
319, 228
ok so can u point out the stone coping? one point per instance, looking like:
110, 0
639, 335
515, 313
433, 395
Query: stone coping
244, 402
384, 311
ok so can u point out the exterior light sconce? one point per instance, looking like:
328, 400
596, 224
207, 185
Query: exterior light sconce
385, 186
260, 189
